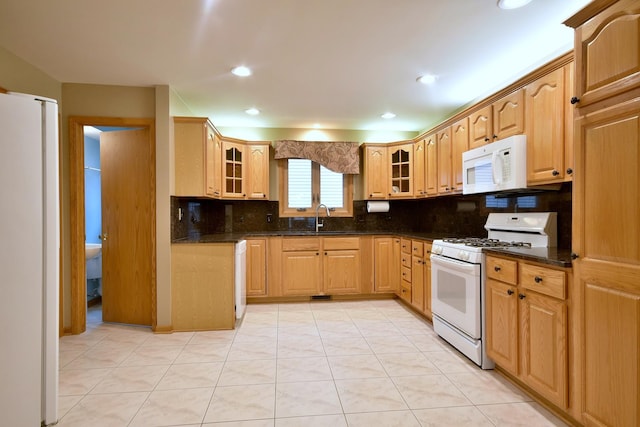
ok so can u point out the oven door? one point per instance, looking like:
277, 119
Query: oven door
455, 293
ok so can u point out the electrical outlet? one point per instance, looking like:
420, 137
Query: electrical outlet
269, 218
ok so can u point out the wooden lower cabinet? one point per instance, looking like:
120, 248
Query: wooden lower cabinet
320, 266
415, 275
202, 286
421, 276
256, 267
386, 254
502, 325
301, 273
543, 345
341, 271
527, 330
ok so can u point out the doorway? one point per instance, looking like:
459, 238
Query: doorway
127, 232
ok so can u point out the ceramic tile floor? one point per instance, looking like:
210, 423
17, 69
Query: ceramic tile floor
365, 363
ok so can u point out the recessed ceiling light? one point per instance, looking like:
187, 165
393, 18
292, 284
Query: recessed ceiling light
241, 71
317, 126
252, 111
427, 79
512, 4
388, 115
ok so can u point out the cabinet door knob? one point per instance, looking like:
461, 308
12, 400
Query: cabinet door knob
555, 173
495, 136
574, 255
486, 139
522, 296
509, 292
325, 253
496, 268
569, 171
537, 279
574, 100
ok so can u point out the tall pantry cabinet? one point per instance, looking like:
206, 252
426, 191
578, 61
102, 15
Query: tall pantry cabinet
606, 209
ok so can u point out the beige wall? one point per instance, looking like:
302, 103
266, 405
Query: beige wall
273, 134
17, 75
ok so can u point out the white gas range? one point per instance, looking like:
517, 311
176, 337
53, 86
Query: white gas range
458, 276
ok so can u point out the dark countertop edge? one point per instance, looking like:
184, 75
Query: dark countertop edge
555, 257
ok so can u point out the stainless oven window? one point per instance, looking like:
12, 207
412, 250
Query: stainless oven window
454, 293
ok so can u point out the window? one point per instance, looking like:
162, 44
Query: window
305, 184
497, 202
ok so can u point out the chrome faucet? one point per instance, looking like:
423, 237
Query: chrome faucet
319, 223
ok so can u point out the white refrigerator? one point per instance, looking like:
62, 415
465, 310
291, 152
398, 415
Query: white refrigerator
29, 260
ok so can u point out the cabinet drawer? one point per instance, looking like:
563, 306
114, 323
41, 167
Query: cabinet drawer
301, 244
406, 260
503, 270
405, 291
338, 243
543, 280
417, 248
406, 246
427, 250
406, 274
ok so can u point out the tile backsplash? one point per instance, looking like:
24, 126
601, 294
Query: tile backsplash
455, 215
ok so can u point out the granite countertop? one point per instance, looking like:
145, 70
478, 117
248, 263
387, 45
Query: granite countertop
551, 256
235, 237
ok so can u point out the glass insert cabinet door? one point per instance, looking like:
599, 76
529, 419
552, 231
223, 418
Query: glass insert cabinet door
234, 170
401, 179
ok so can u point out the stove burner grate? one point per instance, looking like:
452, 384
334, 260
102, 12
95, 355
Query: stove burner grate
483, 242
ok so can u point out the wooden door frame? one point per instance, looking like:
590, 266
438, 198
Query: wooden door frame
77, 213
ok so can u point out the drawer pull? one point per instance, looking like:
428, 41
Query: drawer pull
509, 292
522, 296
537, 279
496, 268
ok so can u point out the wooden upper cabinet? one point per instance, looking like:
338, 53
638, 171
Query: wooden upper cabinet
401, 170
376, 181
480, 127
207, 165
214, 163
431, 165
419, 158
545, 107
569, 117
508, 115
191, 143
444, 160
258, 171
234, 170
607, 51
459, 144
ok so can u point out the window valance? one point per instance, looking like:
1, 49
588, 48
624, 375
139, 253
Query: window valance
340, 157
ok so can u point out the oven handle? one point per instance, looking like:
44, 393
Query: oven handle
465, 267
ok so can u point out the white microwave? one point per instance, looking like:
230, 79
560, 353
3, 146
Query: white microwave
499, 166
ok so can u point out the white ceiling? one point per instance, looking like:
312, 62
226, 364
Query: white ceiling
338, 63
